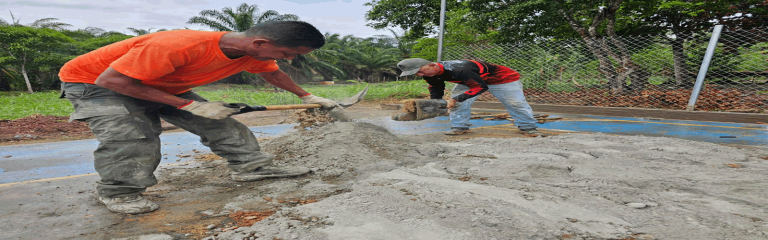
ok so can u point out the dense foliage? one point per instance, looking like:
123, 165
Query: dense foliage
31, 54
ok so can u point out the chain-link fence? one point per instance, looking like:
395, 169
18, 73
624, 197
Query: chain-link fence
637, 71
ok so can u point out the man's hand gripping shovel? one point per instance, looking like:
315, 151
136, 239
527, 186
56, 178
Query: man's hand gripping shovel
335, 112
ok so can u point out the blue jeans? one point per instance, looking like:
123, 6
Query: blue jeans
510, 94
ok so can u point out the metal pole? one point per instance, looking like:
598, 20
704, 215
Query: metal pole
440, 35
704, 67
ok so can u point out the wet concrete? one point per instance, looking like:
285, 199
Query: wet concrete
36, 206
61, 159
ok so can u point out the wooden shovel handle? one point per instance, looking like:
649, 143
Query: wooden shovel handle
292, 106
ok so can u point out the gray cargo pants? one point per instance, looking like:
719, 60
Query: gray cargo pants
128, 130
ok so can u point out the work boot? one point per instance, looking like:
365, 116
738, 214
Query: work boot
457, 131
532, 132
129, 204
265, 172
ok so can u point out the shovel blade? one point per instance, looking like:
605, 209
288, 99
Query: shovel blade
354, 99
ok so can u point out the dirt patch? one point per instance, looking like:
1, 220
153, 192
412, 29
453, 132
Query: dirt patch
710, 99
248, 218
41, 128
208, 157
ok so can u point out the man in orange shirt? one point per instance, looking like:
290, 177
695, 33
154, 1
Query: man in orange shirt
123, 90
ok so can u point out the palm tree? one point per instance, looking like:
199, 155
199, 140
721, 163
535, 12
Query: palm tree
373, 64
404, 45
369, 59
49, 23
238, 20
139, 31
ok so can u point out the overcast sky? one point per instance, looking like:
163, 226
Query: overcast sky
335, 16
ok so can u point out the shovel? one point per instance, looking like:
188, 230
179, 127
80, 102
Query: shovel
245, 108
420, 109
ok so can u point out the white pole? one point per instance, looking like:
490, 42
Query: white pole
440, 35
704, 67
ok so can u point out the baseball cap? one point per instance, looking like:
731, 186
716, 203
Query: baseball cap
411, 66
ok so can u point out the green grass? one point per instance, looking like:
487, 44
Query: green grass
267, 96
19, 104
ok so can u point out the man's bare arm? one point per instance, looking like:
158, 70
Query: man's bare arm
282, 80
132, 87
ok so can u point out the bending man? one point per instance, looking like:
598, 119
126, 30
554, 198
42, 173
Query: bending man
473, 78
123, 90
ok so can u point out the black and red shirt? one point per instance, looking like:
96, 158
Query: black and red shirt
477, 75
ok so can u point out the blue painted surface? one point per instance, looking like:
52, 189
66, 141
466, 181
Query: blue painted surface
58, 159
745, 134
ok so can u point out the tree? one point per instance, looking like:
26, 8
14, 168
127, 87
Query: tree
403, 44
90, 33
325, 60
139, 31
49, 23
686, 18
30, 48
457, 33
595, 21
367, 59
419, 18
238, 20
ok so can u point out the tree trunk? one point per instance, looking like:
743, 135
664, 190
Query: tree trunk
26, 79
678, 53
628, 67
606, 68
599, 46
590, 37
639, 78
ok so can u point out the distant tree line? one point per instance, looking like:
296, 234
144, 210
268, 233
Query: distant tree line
32, 54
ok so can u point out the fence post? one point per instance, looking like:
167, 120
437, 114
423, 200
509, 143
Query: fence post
704, 67
442, 26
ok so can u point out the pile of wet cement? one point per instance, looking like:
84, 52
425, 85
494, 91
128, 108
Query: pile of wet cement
345, 149
571, 186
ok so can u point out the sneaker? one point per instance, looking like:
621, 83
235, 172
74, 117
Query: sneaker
129, 204
457, 131
532, 132
265, 172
